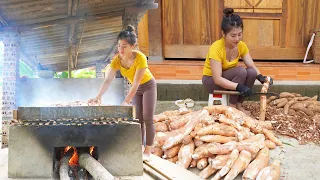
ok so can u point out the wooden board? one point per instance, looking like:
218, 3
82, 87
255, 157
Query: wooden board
256, 52
171, 170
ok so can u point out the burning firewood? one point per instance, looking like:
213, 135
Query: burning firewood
96, 170
64, 166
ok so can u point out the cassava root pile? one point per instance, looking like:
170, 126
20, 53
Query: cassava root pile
292, 115
220, 141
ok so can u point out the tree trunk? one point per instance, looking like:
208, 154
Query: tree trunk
97, 171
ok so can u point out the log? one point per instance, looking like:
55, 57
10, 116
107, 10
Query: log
64, 166
263, 100
96, 170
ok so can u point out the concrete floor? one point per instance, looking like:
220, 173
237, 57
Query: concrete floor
298, 161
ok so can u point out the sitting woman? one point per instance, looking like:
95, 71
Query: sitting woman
221, 70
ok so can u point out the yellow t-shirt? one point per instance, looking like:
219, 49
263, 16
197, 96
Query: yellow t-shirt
140, 62
217, 52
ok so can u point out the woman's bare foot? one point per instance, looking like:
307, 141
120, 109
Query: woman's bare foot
240, 108
146, 153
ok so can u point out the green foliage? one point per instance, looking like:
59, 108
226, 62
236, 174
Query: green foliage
81, 73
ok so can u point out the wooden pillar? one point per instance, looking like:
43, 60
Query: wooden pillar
132, 16
155, 33
10, 76
129, 18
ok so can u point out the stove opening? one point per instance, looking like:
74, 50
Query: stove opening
66, 162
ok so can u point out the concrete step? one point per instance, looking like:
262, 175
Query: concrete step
173, 90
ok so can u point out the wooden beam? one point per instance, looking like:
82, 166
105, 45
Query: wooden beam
70, 59
68, 21
257, 52
246, 15
75, 4
78, 46
70, 2
283, 25
155, 32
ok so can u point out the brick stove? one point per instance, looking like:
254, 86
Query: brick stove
40, 133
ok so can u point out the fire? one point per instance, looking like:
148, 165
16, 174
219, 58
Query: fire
91, 150
74, 160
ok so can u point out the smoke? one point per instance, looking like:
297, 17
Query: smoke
44, 92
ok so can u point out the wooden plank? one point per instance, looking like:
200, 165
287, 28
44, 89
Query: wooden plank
143, 36
257, 52
259, 15
294, 28
283, 21
172, 22
238, 5
276, 32
257, 6
216, 14
171, 171
154, 27
311, 19
260, 32
204, 22
191, 22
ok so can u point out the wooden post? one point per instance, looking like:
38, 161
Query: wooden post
155, 33
10, 75
70, 58
129, 18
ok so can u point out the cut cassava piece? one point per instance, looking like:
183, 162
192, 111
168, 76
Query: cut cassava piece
219, 161
202, 150
202, 163
271, 172
232, 158
207, 172
184, 155
256, 165
239, 165
263, 99
194, 119
216, 138
272, 137
218, 129
172, 152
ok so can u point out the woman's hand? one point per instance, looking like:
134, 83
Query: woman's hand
263, 79
95, 101
244, 90
125, 104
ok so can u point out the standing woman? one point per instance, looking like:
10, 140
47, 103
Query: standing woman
221, 70
143, 93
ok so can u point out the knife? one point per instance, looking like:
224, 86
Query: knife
238, 93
